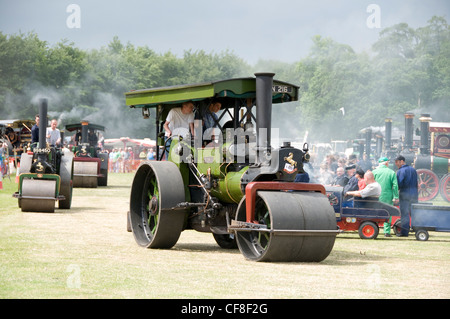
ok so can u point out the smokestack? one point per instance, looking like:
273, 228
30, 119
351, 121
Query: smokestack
379, 145
264, 83
84, 132
424, 134
368, 141
387, 133
409, 130
42, 123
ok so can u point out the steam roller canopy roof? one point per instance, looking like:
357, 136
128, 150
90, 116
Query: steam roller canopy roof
240, 88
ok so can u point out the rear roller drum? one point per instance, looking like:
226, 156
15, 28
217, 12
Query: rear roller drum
294, 221
156, 190
38, 195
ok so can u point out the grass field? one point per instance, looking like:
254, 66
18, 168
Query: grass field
86, 252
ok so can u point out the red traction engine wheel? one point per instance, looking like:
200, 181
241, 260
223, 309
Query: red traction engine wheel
428, 184
444, 188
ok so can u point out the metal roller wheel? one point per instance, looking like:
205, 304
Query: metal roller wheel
85, 174
66, 175
38, 195
25, 163
103, 180
428, 184
286, 215
156, 190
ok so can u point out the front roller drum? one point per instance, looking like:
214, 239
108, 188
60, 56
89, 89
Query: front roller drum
300, 227
155, 220
85, 174
38, 195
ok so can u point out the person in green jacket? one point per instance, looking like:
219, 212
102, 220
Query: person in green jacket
387, 178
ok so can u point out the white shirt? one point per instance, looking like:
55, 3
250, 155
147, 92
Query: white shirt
54, 135
179, 122
371, 190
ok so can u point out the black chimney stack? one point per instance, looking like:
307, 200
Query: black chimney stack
43, 123
409, 130
387, 134
84, 132
264, 83
424, 134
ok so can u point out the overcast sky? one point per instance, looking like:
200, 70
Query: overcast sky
252, 29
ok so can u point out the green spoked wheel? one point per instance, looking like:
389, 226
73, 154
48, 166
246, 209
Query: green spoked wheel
299, 226
155, 220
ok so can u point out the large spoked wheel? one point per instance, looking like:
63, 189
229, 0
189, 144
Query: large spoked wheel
156, 190
444, 188
428, 184
284, 214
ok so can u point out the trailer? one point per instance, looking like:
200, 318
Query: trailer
428, 217
365, 216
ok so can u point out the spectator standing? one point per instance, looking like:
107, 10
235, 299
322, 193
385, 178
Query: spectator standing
407, 191
365, 163
387, 178
35, 130
53, 134
340, 179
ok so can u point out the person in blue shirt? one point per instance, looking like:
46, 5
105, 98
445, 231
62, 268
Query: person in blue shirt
35, 130
407, 191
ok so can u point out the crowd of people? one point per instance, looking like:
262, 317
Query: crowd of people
126, 160
367, 179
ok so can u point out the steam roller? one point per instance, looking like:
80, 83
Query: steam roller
45, 174
238, 187
90, 165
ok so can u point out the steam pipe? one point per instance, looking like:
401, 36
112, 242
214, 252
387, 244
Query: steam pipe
264, 83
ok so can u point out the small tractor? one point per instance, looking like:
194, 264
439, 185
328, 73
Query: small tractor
45, 173
232, 184
90, 165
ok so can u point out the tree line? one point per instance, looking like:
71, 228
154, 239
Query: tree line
407, 70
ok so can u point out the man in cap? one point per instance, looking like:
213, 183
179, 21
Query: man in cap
408, 192
352, 184
387, 178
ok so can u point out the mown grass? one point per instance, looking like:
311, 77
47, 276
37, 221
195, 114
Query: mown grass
86, 252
